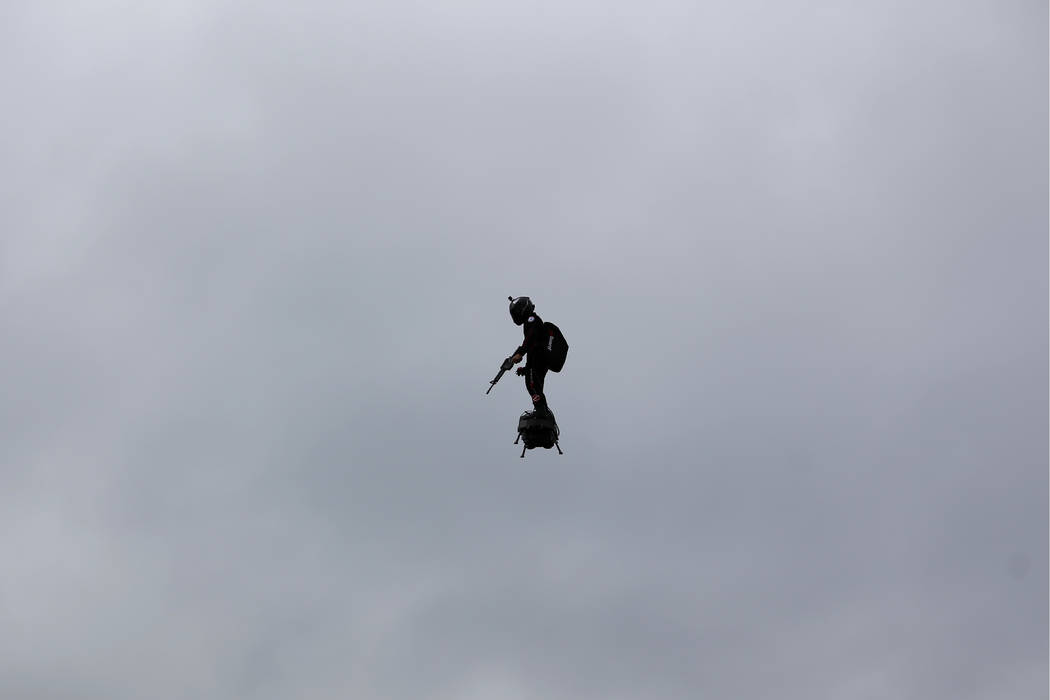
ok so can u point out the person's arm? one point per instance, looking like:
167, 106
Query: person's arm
532, 335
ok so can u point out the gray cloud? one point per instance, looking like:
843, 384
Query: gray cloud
250, 297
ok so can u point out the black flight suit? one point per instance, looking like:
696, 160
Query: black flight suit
534, 348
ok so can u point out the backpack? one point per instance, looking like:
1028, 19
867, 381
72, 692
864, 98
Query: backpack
556, 347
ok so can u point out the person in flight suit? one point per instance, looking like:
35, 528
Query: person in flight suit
523, 313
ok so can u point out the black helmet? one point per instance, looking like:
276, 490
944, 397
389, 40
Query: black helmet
520, 309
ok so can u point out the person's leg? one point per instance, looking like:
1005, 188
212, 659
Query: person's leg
534, 376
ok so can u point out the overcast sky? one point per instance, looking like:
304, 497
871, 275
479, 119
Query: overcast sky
254, 261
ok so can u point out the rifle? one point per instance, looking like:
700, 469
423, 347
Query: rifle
507, 364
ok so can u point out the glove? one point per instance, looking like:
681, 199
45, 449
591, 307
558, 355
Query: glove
520, 371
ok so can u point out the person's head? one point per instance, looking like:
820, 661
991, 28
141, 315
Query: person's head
520, 308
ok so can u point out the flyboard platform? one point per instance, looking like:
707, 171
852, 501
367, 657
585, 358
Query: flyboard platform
537, 431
